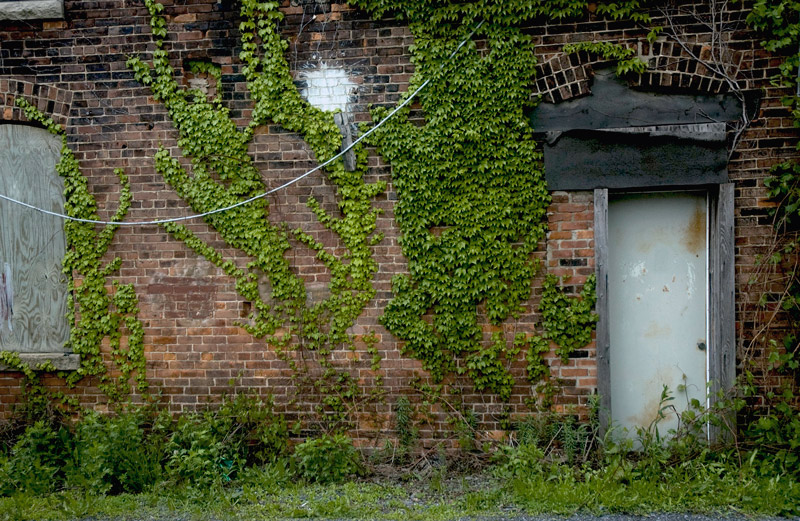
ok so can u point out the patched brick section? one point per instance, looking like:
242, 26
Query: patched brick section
327, 88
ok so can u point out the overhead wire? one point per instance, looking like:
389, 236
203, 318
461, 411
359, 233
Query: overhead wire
263, 194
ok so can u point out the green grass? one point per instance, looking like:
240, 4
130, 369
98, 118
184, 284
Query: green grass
727, 494
267, 494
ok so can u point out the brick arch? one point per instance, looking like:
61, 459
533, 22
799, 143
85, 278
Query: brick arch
671, 67
53, 101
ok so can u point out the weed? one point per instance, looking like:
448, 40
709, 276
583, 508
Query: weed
114, 454
36, 461
524, 460
407, 433
327, 459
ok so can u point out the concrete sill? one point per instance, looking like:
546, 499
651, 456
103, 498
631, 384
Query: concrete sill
32, 10
61, 361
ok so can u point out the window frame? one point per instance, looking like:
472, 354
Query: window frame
60, 360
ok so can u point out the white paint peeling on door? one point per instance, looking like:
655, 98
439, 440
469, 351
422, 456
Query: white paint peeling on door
638, 270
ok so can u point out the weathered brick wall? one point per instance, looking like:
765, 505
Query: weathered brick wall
75, 69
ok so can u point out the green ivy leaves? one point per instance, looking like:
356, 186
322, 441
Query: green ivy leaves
627, 60
96, 311
223, 173
472, 196
568, 321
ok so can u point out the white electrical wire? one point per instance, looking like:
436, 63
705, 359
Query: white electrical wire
259, 196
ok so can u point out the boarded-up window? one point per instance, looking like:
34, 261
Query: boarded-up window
33, 290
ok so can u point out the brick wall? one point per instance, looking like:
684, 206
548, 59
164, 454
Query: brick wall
75, 70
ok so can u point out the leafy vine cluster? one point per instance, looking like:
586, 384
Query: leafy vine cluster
223, 173
778, 21
96, 310
472, 198
479, 182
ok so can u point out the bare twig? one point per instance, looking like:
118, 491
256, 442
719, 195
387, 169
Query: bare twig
720, 59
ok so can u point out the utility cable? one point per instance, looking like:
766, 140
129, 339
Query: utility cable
261, 195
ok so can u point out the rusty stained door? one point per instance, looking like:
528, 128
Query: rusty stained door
657, 295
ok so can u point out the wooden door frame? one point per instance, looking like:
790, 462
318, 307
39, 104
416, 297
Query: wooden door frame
721, 290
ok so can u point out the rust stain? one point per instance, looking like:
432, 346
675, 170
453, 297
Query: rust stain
695, 236
665, 289
654, 330
651, 393
649, 411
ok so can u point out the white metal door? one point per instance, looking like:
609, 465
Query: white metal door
657, 295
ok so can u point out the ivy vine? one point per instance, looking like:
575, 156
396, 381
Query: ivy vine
625, 57
96, 310
472, 201
568, 321
223, 174
472, 198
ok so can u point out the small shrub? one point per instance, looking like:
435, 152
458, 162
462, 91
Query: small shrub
36, 461
196, 454
328, 459
252, 429
518, 462
214, 446
115, 454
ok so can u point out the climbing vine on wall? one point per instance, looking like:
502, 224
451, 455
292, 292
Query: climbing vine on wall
778, 21
568, 321
97, 312
223, 174
472, 199
472, 195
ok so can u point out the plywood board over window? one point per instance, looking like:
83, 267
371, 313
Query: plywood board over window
33, 289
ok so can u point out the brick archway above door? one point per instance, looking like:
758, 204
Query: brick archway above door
567, 76
53, 101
